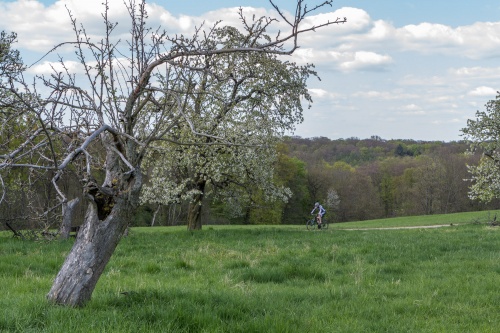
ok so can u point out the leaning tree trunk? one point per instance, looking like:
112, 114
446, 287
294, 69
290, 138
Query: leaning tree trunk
154, 215
67, 218
194, 221
106, 219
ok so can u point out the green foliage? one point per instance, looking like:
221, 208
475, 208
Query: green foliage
387, 187
484, 135
143, 216
10, 59
403, 151
428, 181
268, 279
291, 172
377, 178
387, 194
264, 212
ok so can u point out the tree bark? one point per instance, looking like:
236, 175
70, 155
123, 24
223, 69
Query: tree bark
195, 208
106, 219
154, 215
92, 250
67, 218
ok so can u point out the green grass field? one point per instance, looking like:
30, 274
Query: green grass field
271, 279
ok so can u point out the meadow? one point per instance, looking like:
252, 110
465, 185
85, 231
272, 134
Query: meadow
271, 279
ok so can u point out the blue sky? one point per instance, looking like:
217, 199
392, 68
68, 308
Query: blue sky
398, 69
400, 12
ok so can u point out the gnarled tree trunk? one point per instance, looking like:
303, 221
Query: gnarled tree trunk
108, 215
95, 243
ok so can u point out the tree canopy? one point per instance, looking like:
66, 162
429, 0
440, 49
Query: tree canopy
484, 135
128, 100
251, 100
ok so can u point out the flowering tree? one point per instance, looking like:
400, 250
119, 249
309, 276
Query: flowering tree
484, 135
250, 100
130, 99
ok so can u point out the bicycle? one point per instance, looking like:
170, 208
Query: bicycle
312, 224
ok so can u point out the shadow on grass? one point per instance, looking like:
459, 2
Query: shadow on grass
182, 310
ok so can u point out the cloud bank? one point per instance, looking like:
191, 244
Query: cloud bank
376, 77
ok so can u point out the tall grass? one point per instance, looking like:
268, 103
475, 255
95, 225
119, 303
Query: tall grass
267, 279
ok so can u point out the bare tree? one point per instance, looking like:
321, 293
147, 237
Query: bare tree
128, 101
30, 200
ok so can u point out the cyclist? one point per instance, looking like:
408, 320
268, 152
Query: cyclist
321, 213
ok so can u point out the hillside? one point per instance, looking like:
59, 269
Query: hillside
377, 178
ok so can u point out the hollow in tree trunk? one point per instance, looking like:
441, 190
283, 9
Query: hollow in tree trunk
95, 243
108, 214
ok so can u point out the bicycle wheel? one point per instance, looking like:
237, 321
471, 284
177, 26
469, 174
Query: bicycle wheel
324, 225
311, 224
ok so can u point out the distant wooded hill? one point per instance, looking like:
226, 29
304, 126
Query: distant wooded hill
360, 179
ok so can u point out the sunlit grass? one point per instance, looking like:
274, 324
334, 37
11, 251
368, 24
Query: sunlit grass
428, 220
268, 279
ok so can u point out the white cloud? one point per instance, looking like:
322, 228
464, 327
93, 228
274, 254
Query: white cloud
414, 80
384, 95
39, 28
370, 69
442, 99
358, 21
73, 67
446, 121
365, 60
344, 61
429, 33
476, 72
318, 93
368, 42
187, 24
48, 67
474, 41
483, 91
412, 107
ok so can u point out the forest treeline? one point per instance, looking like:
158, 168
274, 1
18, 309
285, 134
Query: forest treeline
355, 179
377, 178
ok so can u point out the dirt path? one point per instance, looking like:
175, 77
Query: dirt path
412, 227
